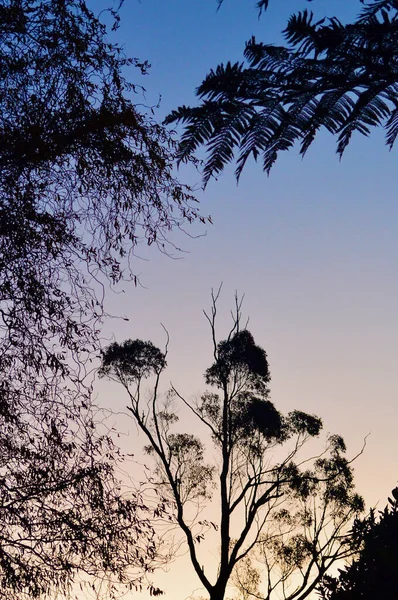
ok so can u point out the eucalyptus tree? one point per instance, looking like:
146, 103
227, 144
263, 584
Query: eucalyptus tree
67, 522
329, 75
85, 175
279, 506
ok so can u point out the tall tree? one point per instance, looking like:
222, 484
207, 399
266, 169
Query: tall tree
273, 497
373, 573
340, 77
85, 175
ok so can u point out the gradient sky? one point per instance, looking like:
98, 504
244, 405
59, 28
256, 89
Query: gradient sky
313, 248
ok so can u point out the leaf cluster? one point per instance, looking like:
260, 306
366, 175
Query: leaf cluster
132, 360
239, 355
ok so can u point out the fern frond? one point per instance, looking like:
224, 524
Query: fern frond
222, 83
301, 33
262, 5
392, 126
368, 111
257, 134
201, 121
286, 132
269, 60
343, 78
372, 9
226, 136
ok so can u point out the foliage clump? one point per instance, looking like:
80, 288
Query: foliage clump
373, 572
85, 175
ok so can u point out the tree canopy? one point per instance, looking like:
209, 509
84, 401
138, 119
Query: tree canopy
373, 573
280, 508
85, 175
65, 517
330, 75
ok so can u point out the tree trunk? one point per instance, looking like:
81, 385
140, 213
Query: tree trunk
218, 591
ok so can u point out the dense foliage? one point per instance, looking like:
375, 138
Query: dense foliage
373, 574
64, 517
340, 77
84, 177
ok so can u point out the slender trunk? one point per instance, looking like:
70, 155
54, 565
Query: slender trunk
225, 515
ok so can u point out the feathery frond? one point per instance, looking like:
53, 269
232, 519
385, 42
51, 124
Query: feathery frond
342, 78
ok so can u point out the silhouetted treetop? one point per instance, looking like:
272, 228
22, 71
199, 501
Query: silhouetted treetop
279, 508
241, 355
133, 360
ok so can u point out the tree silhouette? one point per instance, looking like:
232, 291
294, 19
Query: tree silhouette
277, 504
373, 574
85, 175
343, 78
65, 517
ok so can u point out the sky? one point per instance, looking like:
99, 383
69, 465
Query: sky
313, 248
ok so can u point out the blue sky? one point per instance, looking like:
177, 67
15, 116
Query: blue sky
313, 247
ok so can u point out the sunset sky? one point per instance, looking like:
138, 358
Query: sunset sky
313, 247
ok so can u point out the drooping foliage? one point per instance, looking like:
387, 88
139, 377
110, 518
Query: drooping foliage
65, 520
373, 573
85, 175
280, 509
331, 75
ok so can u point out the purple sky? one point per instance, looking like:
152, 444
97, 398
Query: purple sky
313, 248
